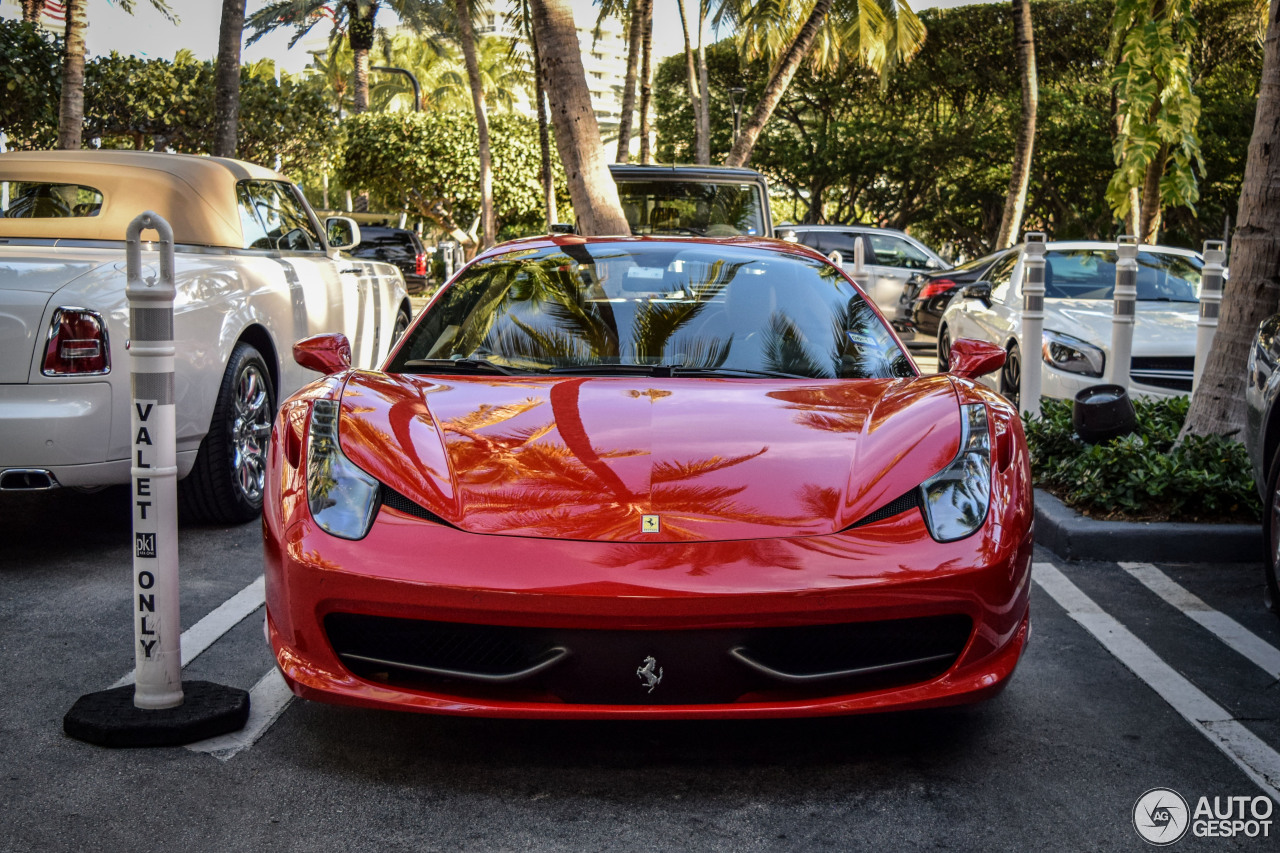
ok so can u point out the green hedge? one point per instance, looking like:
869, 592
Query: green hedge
1143, 475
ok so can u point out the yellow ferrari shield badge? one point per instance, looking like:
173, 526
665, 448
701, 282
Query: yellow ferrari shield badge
650, 524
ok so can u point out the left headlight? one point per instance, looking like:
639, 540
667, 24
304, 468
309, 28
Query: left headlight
1071, 354
955, 500
343, 499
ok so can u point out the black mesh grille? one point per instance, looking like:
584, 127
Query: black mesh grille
911, 500
1170, 362
393, 499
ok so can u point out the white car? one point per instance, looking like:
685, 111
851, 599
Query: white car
255, 271
890, 257
1080, 282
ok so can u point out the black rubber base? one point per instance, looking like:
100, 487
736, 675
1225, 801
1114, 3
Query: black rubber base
109, 718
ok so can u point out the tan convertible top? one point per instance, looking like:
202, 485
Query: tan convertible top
195, 194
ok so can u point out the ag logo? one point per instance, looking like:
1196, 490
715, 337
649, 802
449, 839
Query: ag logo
650, 673
1161, 816
144, 544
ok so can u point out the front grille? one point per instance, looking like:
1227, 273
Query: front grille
1172, 372
605, 667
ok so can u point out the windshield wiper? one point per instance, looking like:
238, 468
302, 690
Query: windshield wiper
681, 370
615, 369
462, 365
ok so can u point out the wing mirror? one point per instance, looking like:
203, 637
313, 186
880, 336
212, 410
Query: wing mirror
342, 233
327, 354
971, 359
978, 290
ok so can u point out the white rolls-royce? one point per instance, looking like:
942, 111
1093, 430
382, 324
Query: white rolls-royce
255, 271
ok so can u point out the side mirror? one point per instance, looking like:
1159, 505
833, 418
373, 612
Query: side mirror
836, 258
788, 236
563, 228
341, 232
931, 264
327, 354
971, 359
978, 290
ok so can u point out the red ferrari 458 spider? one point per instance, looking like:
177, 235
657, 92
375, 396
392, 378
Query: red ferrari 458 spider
647, 478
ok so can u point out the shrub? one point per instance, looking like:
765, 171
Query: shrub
1146, 475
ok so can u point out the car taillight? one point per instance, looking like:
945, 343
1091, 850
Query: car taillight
421, 268
77, 344
936, 288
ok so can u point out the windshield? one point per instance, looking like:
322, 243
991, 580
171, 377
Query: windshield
662, 308
1091, 274
697, 208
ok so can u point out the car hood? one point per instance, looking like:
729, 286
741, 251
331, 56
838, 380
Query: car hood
588, 458
1160, 328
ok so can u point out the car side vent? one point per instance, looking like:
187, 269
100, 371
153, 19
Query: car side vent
897, 506
393, 499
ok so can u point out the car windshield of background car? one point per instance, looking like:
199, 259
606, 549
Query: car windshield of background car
41, 200
701, 307
697, 208
1091, 274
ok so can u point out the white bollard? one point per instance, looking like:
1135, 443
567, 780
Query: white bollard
156, 625
1122, 316
1033, 262
1215, 256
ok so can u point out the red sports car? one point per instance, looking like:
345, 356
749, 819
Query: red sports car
647, 478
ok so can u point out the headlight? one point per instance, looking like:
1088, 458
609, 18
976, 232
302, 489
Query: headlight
1072, 354
343, 499
955, 500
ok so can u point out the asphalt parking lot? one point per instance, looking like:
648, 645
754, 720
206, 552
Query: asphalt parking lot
1136, 677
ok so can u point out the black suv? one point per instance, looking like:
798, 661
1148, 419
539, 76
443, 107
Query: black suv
397, 246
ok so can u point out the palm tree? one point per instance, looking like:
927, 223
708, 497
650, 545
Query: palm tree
227, 98
467, 38
1016, 201
31, 10
521, 18
591, 188
637, 13
71, 104
646, 78
697, 91
881, 39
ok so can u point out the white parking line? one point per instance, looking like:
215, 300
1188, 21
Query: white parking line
1221, 625
267, 700
1258, 760
222, 619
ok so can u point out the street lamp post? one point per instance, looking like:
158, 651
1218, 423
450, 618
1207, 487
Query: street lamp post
417, 90
735, 99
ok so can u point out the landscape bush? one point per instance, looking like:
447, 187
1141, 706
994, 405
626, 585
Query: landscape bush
1147, 475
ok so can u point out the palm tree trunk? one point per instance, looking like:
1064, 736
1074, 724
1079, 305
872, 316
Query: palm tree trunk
544, 136
1253, 294
360, 32
591, 188
227, 99
1151, 210
777, 86
71, 106
691, 80
646, 79
704, 102
31, 10
635, 29
467, 36
1015, 202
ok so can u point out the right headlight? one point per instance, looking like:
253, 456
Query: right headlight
955, 500
1071, 354
343, 499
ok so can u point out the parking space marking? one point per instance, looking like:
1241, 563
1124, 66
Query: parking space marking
1221, 625
1246, 750
222, 619
267, 701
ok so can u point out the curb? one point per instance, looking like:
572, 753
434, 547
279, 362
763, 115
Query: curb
1073, 536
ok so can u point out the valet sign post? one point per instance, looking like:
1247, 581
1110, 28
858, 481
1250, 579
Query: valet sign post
157, 709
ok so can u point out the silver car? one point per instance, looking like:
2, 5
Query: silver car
255, 272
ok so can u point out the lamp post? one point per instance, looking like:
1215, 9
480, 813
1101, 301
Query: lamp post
735, 100
417, 90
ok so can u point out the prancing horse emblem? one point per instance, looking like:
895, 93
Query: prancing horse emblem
650, 672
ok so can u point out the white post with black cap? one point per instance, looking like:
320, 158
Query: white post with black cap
1211, 277
1033, 261
155, 710
1124, 311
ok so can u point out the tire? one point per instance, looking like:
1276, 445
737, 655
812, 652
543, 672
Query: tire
944, 349
226, 485
402, 325
1011, 375
1271, 523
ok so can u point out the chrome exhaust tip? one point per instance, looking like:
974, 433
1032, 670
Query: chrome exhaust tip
27, 480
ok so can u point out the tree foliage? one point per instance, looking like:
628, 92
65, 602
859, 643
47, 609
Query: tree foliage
429, 164
29, 72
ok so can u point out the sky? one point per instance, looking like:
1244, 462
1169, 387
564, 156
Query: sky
146, 33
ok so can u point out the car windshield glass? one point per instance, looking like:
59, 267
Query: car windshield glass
40, 200
698, 208
674, 308
1091, 274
